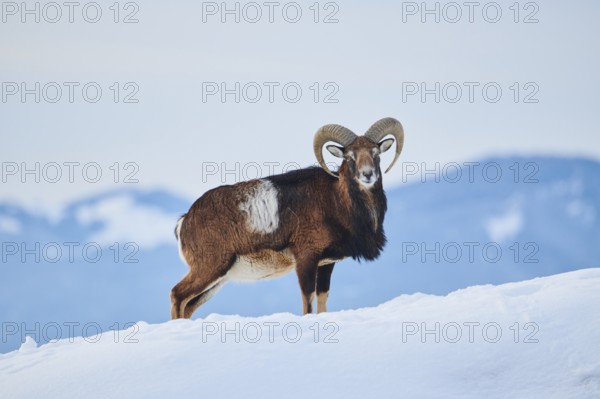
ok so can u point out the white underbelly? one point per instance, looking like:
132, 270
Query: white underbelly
266, 264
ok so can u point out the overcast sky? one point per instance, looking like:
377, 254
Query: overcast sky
371, 60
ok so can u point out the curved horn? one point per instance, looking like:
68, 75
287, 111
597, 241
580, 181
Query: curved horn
336, 133
384, 127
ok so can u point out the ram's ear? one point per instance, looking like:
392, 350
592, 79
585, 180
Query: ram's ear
336, 151
385, 145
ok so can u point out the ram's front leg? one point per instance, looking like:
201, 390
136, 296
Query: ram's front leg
306, 269
323, 282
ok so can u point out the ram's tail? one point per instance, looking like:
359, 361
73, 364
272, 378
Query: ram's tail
178, 225
178, 236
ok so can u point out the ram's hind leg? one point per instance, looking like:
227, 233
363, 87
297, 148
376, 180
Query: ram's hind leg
206, 273
202, 298
194, 285
323, 280
184, 291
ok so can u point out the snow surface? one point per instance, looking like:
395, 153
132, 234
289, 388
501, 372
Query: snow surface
366, 353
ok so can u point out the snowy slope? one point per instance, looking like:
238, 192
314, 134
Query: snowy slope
370, 352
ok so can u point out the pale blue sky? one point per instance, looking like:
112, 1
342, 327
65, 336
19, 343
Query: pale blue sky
369, 56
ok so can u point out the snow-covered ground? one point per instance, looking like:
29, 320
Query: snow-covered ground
533, 339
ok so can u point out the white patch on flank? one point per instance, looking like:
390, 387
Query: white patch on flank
178, 229
262, 208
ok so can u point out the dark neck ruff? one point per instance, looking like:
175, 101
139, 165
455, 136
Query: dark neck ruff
367, 238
